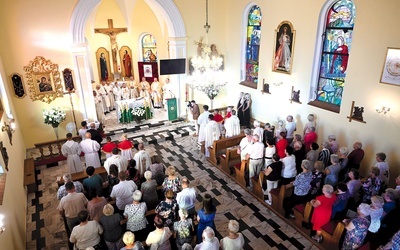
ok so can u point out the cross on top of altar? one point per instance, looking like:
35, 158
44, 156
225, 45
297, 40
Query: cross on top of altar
112, 33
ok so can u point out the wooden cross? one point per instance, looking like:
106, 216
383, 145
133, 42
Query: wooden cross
112, 33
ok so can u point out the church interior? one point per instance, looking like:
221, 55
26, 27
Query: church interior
64, 34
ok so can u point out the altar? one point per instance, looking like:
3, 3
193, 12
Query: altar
134, 110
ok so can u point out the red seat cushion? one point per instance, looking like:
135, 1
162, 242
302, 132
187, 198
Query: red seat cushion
275, 191
300, 208
238, 166
330, 227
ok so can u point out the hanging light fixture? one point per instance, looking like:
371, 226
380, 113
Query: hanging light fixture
207, 75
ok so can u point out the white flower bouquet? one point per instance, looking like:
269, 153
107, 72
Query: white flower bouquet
54, 116
138, 113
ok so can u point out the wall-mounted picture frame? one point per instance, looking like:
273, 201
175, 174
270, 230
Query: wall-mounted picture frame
391, 70
125, 55
282, 61
69, 83
43, 80
149, 70
103, 64
17, 85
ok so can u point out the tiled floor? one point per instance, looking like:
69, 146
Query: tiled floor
261, 228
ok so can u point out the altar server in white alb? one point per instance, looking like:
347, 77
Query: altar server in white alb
232, 125
212, 133
98, 104
109, 88
202, 121
104, 95
117, 92
72, 150
91, 148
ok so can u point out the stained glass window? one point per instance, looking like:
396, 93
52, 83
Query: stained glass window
149, 48
337, 37
253, 44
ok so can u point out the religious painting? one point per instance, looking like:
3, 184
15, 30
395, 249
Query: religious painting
103, 64
284, 47
125, 55
68, 80
149, 48
43, 79
43, 82
17, 85
149, 70
391, 67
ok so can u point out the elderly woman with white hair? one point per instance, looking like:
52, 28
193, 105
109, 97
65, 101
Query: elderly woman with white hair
112, 225
332, 171
258, 131
183, 229
149, 191
333, 144
234, 240
129, 241
136, 215
210, 242
357, 228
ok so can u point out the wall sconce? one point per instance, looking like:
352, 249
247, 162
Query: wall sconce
10, 128
383, 110
2, 228
278, 83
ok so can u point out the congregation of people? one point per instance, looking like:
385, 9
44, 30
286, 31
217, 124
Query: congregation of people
106, 214
326, 175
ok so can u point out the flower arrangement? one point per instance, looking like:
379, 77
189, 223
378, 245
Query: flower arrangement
211, 90
53, 116
138, 113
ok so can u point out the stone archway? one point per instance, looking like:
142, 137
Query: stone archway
83, 9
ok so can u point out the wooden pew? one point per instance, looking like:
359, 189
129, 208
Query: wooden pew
278, 194
257, 185
229, 159
54, 156
332, 232
302, 213
29, 175
80, 176
219, 147
240, 171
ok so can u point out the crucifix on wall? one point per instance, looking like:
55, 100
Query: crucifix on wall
112, 33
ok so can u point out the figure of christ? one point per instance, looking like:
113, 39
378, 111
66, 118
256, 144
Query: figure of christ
112, 33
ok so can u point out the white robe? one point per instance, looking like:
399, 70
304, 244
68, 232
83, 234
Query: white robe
90, 148
232, 126
125, 93
120, 161
110, 95
202, 121
117, 93
72, 150
99, 108
104, 95
212, 134
143, 161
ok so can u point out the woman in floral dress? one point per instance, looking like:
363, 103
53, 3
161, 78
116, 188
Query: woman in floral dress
168, 209
357, 228
183, 229
136, 215
172, 182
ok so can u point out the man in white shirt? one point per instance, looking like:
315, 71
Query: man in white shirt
142, 158
202, 121
290, 128
186, 198
383, 167
86, 235
72, 151
212, 133
256, 156
244, 144
232, 125
123, 191
90, 148
258, 131
120, 161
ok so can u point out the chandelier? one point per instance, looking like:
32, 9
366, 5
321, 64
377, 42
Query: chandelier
207, 75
